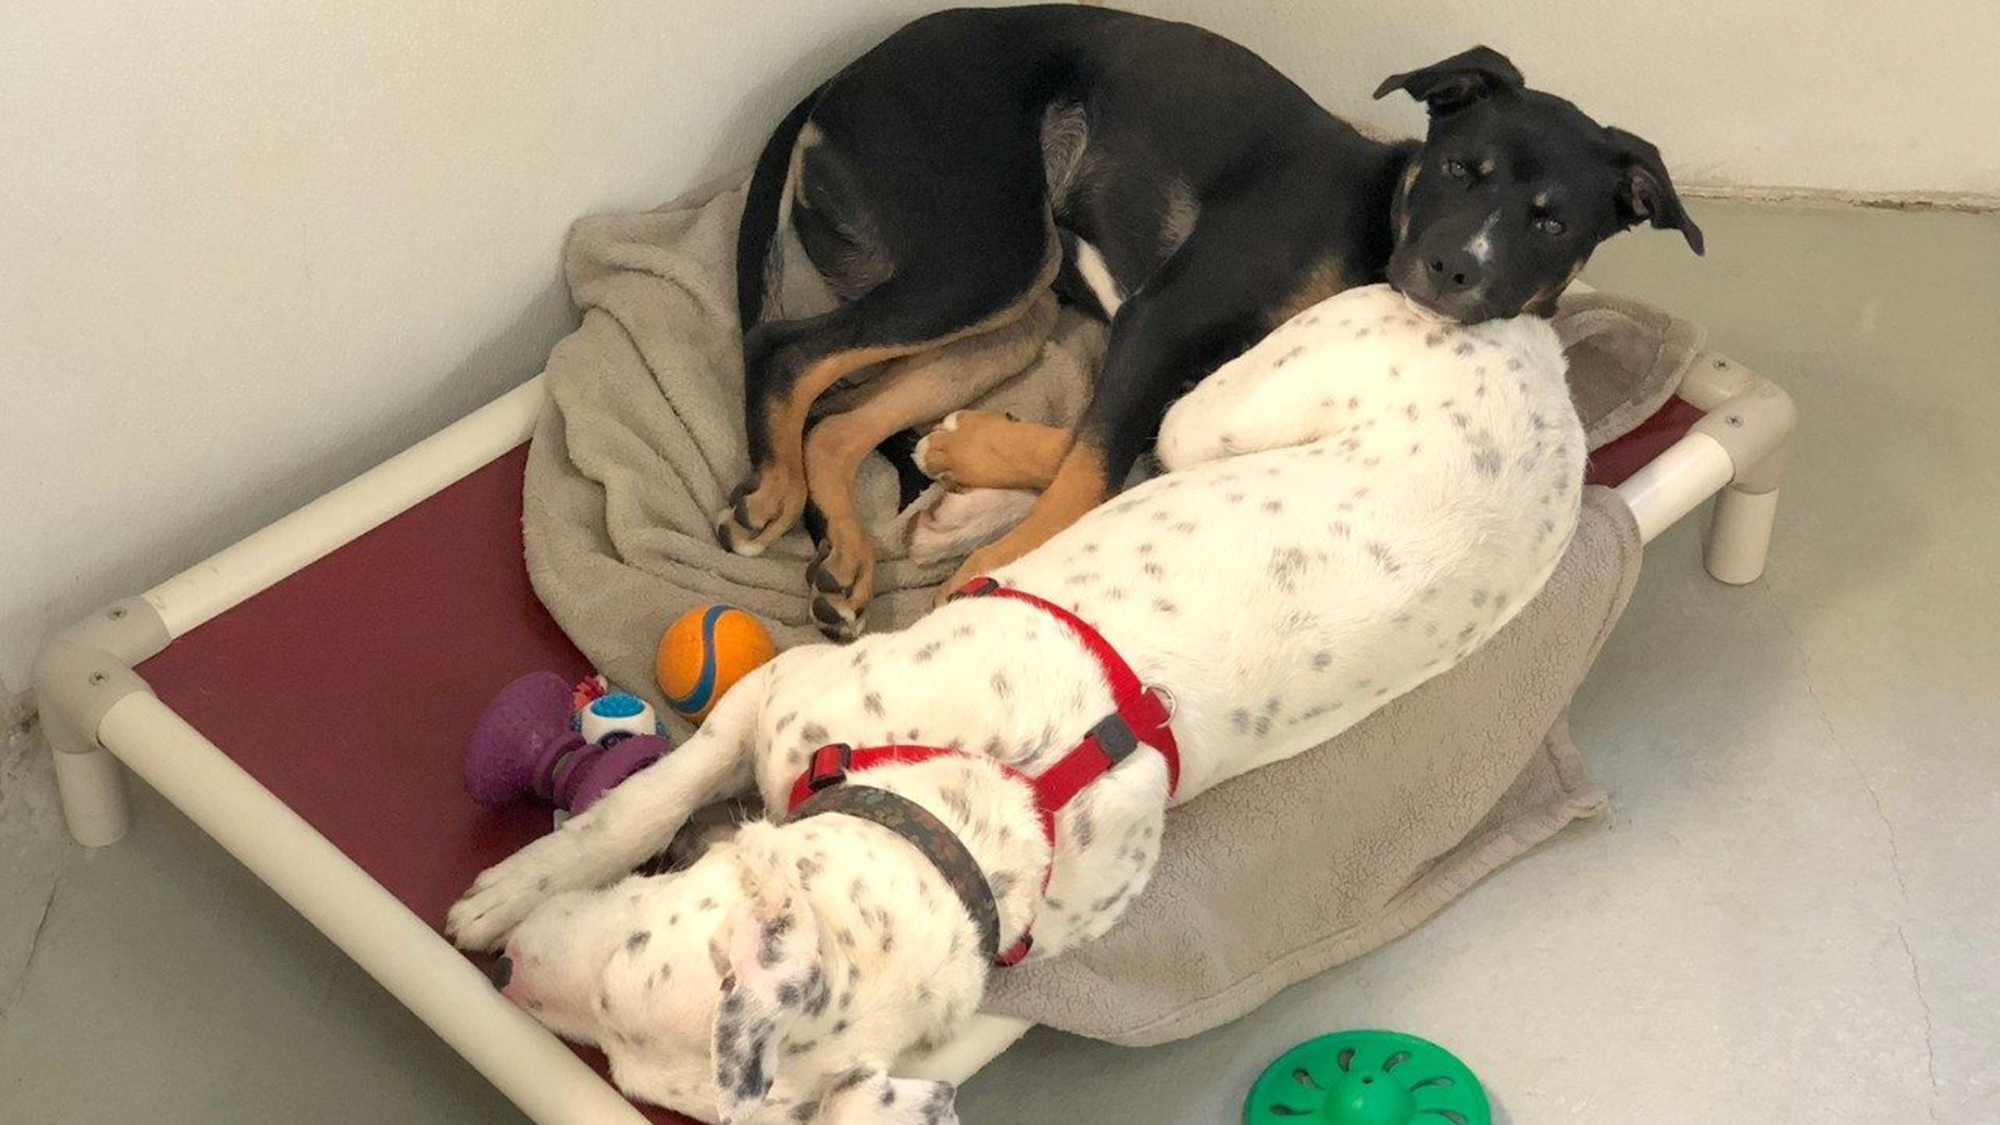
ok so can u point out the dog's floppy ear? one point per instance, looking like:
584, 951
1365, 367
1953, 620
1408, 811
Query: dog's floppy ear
1457, 82
1645, 193
773, 975
870, 1097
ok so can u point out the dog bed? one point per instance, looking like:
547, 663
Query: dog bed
303, 696
644, 438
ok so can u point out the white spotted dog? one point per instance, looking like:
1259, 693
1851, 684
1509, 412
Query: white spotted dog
1352, 505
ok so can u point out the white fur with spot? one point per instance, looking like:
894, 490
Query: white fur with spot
1353, 505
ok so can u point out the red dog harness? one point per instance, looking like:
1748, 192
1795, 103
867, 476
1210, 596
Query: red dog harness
1142, 716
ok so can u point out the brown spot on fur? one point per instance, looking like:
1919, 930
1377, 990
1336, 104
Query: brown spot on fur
1321, 280
1400, 207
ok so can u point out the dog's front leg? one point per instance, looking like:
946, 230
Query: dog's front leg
916, 389
1157, 342
630, 825
1189, 317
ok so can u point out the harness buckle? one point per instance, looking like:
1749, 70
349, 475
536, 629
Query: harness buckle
1115, 737
829, 766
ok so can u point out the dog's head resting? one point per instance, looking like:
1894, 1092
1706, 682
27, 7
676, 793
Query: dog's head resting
636, 970
1511, 191
728, 992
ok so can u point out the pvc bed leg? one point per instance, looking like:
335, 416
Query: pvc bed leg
1755, 426
92, 785
1739, 537
78, 675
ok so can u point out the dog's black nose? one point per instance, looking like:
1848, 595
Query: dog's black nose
501, 971
1452, 272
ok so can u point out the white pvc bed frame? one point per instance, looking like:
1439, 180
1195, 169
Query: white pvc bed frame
98, 713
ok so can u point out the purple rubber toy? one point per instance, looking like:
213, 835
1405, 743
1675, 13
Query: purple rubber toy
525, 743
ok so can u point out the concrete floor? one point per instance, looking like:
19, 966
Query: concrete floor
1787, 916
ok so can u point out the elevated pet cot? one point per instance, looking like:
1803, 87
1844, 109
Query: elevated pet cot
303, 697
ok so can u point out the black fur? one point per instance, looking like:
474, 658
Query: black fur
1534, 177
760, 212
1220, 196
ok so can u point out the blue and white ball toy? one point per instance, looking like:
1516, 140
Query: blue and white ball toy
614, 716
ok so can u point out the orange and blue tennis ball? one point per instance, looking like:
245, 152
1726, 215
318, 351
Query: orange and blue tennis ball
705, 652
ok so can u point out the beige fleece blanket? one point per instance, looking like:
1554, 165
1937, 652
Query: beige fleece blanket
1269, 879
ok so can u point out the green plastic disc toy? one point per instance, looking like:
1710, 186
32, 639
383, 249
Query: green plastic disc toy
1367, 1078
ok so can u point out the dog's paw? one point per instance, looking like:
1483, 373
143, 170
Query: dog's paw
877, 1099
760, 511
957, 522
975, 449
980, 563
505, 894
932, 454
839, 604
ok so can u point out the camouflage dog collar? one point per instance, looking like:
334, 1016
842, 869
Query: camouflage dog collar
929, 836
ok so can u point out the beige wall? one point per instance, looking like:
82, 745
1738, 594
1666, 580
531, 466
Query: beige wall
248, 250
1842, 95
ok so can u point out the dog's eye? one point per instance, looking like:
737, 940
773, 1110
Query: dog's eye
1456, 169
1550, 226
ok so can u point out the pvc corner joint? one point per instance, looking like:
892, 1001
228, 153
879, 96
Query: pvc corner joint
82, 671
1755, 426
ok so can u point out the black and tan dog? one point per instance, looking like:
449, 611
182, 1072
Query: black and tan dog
1150, 171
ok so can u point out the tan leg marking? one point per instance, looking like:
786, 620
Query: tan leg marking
1079, 485
914, 390
757, 518
765, 506
982, 449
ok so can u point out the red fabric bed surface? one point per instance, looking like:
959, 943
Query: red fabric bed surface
349, 688
1611, 465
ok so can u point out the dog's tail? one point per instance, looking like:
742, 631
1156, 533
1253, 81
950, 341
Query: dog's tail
762, 208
